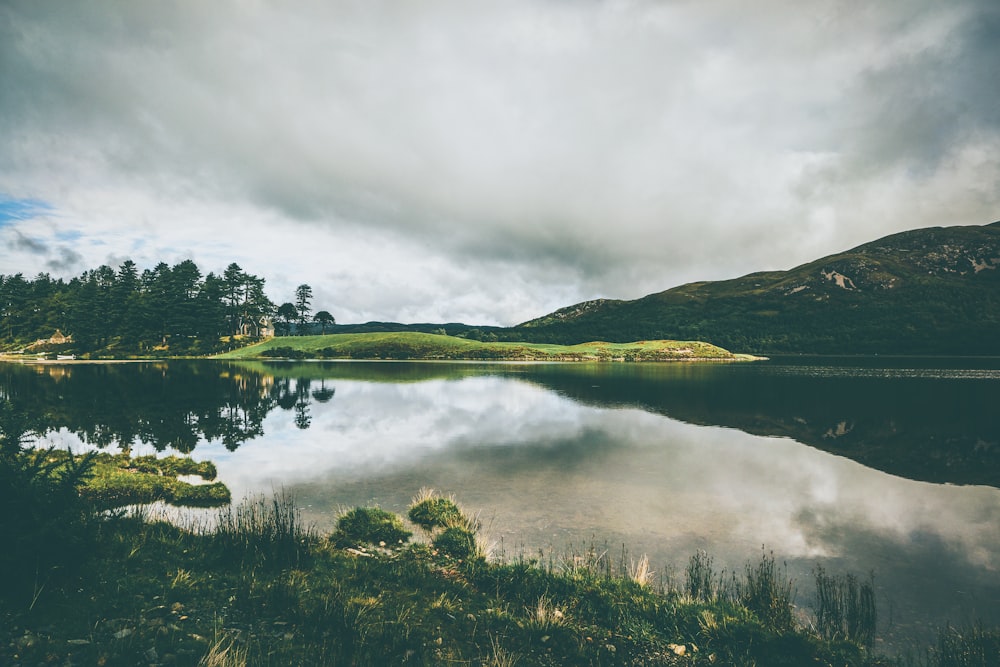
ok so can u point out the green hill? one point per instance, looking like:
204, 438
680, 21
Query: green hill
925, 291
413, 345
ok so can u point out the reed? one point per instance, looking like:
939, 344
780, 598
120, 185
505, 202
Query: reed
700, 578
263, 530
969, 646
767, 592
845, 607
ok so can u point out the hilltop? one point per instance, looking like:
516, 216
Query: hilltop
924, 291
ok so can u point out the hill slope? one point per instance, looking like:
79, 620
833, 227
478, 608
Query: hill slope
925, 291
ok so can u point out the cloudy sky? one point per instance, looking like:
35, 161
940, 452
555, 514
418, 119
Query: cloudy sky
488, 162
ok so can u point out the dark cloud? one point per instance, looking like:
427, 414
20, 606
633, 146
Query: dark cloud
914, 110
66, 260
27, 244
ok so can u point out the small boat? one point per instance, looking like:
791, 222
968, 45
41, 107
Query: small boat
65, 357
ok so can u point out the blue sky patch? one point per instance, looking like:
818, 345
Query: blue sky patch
69, 235
21, 209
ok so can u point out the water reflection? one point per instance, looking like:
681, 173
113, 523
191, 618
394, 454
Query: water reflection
172, 405
665, 459
548, 471
925, 423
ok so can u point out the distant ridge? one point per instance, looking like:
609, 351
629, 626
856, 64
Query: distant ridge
933, 291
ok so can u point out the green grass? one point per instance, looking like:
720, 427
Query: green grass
119, 479
413, 345
263, 589
267, 590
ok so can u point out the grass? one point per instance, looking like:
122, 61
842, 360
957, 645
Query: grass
118, 480
413, 345
263, 589
257, 587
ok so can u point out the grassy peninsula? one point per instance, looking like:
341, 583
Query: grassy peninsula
426, 346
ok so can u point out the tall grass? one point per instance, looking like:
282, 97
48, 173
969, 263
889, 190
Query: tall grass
268, 531
224, 652
845, 607
767, 592
243, 582
971, 646
700, 581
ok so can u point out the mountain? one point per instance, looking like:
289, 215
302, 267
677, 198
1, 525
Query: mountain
925, 291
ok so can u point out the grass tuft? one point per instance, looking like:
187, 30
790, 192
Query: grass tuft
262, 530
370, 525
431, 511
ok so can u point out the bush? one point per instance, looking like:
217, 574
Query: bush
767, 593
369, 525
284, 352
457, 542
436, 512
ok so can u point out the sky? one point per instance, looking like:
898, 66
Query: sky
488, 161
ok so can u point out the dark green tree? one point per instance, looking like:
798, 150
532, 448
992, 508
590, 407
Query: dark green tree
287, 313
303, 300
324, 318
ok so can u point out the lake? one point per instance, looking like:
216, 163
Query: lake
884, 466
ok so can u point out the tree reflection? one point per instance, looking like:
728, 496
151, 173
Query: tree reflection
172, 405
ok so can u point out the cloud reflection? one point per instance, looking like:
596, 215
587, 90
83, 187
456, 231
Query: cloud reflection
512, 448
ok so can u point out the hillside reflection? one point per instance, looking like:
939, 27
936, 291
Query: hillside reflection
926, 424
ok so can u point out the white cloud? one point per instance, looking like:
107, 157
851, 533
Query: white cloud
492, 162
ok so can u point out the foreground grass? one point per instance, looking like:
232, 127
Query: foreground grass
413, 345
262, 589
79, 586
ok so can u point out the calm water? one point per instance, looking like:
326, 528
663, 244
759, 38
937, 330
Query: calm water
875, 465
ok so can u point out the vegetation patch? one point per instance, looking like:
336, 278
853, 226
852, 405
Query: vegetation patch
415, 345
261, 588
370, 525
119, 479
431, 511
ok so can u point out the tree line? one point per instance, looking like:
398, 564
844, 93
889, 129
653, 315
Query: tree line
167, 307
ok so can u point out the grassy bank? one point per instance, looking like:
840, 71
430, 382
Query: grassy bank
413, 345
260, 588
81, 585
263, 590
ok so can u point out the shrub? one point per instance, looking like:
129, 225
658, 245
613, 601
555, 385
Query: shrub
435, 511
767, 593
456, 541
370, 525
